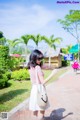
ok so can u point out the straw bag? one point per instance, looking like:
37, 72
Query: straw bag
42, 98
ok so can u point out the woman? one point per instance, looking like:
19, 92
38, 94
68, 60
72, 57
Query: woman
75, 65
35, 62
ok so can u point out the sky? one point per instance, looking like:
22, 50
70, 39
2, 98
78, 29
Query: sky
20, 17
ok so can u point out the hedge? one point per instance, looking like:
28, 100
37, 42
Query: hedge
20, 75
4, 65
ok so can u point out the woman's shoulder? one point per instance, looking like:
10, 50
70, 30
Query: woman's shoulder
38, 67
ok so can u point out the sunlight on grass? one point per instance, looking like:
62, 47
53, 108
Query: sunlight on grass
14, 94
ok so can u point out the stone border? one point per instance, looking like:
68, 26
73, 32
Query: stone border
19, 107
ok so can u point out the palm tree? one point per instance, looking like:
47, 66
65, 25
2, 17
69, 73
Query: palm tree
36, 39
52, 41
12, 44
24, 40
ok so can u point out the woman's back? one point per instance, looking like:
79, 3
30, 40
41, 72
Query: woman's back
33, 74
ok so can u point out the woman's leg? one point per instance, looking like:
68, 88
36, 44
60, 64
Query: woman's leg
35, 113
42, 113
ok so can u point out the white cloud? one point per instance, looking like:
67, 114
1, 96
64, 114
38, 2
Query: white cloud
18, 20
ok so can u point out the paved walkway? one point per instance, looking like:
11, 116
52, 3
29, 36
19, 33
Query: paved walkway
64, 97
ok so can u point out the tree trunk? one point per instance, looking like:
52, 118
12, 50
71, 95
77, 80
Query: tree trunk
49, 61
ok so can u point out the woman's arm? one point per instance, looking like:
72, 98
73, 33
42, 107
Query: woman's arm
46, 80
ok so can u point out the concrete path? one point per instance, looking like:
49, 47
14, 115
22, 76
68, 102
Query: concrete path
64, 98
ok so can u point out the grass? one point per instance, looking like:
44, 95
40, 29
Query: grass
46, 73
19, 91
14, 94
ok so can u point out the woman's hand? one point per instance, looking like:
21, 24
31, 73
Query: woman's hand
45, 81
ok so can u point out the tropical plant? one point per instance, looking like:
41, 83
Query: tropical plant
66, 50
36, 39
52, 41
12, 44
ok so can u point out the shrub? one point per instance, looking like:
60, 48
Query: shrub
65, 63
8, 74
15, 63
4, 57
21, 74
4, 65
3, 80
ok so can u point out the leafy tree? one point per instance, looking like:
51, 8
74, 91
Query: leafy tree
2, 39
71, 24
63, 52
66, 50
1, 34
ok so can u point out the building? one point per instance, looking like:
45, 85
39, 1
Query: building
53, 58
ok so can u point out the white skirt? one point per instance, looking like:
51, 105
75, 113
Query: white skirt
33, 99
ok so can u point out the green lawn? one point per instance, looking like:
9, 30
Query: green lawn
47, 73
19, 91
14, 94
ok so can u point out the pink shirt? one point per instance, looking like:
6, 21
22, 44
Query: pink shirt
75, 65
33, 75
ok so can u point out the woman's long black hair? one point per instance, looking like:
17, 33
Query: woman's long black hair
35, 55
